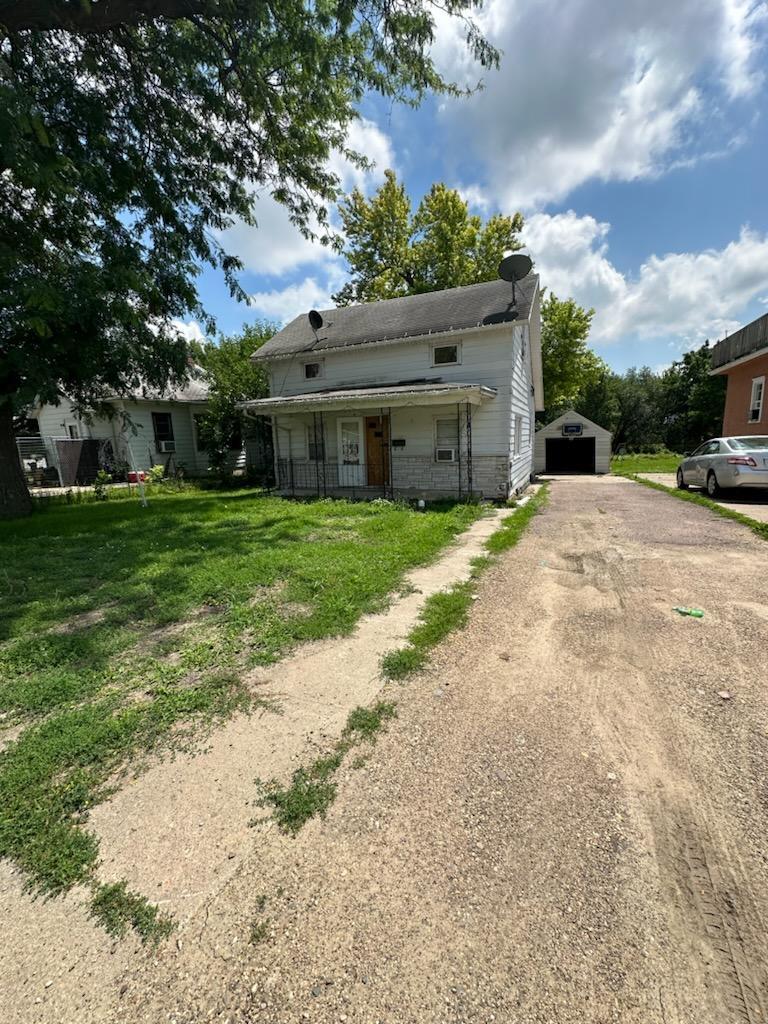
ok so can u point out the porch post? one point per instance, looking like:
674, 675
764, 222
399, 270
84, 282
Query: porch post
469, 449
322, 442
317, 460
389, 448
458, 442
383, 456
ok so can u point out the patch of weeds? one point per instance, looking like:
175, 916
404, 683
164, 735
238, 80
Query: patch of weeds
448, 610
259, 931
761, 529
117, 909
312, 789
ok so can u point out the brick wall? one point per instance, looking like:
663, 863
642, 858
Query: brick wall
736, 415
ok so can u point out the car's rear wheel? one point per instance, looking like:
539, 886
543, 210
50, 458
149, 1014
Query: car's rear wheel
682, 485
713, 487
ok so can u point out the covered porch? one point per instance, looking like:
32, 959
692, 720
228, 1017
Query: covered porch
407, 440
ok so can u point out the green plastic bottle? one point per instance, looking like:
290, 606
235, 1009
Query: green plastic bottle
694, 613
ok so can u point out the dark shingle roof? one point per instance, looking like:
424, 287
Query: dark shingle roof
453, 309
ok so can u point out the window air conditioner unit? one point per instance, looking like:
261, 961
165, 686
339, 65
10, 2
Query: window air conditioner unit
167, 446
445, 455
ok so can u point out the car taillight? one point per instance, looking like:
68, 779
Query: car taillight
742, 460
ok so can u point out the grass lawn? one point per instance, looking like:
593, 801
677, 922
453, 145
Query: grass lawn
124, 630
664, 462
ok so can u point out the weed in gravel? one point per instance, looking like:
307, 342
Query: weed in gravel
448, 610
117, 909
312, 789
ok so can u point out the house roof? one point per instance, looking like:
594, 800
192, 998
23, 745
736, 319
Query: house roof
453, 309
571, 416
389, 395
194, 390
750, 341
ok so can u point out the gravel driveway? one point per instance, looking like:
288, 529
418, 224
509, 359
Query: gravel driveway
567, 821
752, 503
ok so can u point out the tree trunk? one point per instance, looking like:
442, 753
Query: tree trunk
15, 499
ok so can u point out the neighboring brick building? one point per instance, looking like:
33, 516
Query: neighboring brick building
743, 358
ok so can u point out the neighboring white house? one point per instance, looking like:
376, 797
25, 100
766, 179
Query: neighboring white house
145, 431
573, 444
427, 395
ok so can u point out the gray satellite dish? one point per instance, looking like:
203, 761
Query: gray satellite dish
514, 268
315, 320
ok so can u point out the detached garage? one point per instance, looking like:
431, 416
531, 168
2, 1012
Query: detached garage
572, 444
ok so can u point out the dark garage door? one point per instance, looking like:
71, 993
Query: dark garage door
570, 455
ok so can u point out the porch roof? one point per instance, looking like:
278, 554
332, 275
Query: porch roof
391, 396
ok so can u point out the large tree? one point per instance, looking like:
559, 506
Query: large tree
692, 400
393, 250
132, 132
569, 365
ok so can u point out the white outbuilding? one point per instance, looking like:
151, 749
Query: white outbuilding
572, 444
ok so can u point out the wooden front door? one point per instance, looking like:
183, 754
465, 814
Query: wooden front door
377, 450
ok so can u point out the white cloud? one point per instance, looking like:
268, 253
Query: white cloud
589, 90
283, 304
190, 330
689, 295
274, 245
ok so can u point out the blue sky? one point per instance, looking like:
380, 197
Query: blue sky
633, 138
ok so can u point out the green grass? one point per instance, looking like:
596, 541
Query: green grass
696, 498
663, 462
117, 909
448, 609
313, 789
125, 630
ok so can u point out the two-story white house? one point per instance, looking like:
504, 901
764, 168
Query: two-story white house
424, 396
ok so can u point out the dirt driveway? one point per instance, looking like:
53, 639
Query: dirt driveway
752, 503
567, 821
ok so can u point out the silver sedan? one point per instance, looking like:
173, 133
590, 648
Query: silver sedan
725, 462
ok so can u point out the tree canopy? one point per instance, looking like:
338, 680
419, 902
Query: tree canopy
393, 250
133, 132
568, 363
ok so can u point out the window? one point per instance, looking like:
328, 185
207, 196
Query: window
315, 445
446, 440
518, 442
313, 370
162, 424
713, 448
73, 430
445, 355
756, 400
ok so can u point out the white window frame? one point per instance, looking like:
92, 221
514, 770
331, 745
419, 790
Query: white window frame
445, 462
517, 444
756, 405
445, 344
313, 362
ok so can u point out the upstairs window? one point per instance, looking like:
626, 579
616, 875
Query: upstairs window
446, 355
313, 370
756, 400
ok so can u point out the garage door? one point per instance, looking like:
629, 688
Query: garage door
570, 455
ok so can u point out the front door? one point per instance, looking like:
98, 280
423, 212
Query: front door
350, 440
377, 450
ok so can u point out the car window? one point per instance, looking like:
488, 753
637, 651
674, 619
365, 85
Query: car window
699, 450
748, 443
713, 448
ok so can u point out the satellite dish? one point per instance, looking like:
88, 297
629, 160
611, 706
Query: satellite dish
315, 320
515, 267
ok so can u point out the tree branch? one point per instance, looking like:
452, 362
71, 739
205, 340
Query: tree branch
96, 16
